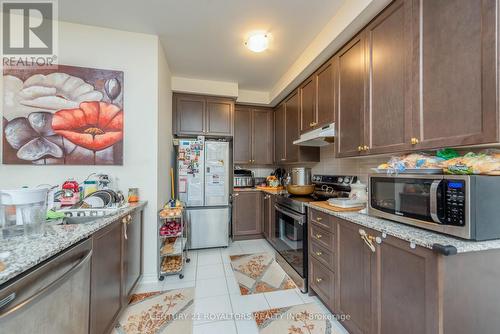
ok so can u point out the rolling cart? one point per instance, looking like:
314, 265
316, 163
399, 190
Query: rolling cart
172, 240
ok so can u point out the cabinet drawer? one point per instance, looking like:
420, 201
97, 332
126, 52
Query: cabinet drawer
323, 255
321, 237
322, 280
321, 219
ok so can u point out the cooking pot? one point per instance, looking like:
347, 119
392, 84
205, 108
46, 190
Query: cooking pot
301, 176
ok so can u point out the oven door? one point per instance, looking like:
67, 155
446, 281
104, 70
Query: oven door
409, 198
290, 239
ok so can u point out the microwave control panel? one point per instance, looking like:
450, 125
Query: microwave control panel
454, 202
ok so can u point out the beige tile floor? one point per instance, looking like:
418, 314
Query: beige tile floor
219, 307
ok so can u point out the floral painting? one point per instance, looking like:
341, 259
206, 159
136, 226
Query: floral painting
69, 115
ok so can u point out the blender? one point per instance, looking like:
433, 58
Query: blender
22, 211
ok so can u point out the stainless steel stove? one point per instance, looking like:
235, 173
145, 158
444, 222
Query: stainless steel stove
290, 235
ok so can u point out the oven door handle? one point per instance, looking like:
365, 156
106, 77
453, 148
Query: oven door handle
433, 200
290, 213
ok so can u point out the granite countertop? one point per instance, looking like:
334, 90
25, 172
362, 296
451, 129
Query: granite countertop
24, 252
411, 234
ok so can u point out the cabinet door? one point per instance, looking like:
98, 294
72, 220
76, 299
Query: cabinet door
292, 131
246, 206
350, 97
457, 61
190, 114
242, 140
407, 284
388, 120
307, 93
356, 263
325, 94
219, 116
279, 134
105, 300
262, 136
266, 220
132, 253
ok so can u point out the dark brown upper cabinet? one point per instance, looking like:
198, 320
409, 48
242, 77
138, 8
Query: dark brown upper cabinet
292, 115
202, 115
253, 137
308, 114
279, 134
317, 99
287, 129
456, 70
325, 94
242, 141
388, 116
350, 83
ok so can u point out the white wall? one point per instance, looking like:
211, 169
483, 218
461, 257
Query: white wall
137, 56
166, 157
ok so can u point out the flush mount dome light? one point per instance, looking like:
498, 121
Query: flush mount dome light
257, 42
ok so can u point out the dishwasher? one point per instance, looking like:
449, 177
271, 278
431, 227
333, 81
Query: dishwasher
52, 298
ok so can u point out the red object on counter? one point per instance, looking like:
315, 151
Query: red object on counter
71, 185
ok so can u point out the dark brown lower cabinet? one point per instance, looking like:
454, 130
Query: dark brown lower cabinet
106, 277
247, 214
132, 253
268, 220
394, 287
355, 287
116, 269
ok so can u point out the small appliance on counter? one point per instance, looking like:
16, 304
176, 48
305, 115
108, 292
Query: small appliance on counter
465, 206
243, 178
70, 193
22, 211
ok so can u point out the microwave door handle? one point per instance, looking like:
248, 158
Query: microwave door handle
433, 200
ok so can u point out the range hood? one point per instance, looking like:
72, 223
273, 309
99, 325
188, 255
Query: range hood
319, 137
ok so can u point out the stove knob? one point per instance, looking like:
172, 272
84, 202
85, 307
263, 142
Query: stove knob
340, 180
347, 179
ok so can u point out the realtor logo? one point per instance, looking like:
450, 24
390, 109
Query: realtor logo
29, 32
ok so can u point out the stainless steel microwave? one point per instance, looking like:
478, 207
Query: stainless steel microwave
465, 206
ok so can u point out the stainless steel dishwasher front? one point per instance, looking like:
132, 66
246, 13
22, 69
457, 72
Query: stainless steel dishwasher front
53, 298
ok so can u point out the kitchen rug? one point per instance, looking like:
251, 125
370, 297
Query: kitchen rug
298, 319
159, 312
258, 273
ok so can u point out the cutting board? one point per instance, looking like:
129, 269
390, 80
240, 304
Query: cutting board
325, 205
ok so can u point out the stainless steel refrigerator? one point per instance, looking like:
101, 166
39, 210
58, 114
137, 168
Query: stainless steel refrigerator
203, 181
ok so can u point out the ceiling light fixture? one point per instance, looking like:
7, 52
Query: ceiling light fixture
258, 42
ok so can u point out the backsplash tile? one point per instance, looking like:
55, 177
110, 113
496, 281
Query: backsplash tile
360, 167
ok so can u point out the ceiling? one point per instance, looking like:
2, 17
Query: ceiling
204, 39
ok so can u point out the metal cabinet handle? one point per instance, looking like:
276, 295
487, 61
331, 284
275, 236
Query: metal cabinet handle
236, 195
319, 253
318, 236
319, 280
313, 124
414, 141
368, 239
283, 159
319, 219
360, 148
366, 148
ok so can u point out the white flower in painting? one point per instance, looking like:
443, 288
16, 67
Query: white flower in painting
49, 93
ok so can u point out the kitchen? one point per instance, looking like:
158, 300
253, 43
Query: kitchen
347, 172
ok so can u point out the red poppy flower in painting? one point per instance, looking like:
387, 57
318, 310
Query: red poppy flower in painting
95, 125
